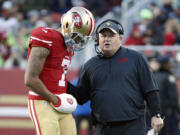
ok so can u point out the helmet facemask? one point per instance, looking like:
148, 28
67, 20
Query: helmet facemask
77, 40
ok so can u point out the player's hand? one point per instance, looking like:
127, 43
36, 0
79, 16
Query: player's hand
157, 123
67, 103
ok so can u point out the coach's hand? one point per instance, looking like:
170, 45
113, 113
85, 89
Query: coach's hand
157, 123
67, 103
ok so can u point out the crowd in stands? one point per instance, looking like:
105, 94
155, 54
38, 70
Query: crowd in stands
159, 24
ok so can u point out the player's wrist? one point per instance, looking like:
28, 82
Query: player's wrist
57, 102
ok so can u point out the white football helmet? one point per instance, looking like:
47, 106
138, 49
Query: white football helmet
77, 26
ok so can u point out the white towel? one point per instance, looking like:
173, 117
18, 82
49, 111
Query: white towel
152, 132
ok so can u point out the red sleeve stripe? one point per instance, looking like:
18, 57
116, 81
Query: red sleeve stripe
44, 41
32, 93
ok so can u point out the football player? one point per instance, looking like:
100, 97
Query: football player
49, 55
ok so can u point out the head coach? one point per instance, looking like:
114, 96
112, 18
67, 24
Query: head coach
118, 81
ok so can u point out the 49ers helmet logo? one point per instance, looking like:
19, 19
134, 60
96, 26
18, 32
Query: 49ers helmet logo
77, 20
70, 100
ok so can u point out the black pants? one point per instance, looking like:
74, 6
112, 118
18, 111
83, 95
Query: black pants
133, 127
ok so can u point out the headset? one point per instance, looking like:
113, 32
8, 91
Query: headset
121, 32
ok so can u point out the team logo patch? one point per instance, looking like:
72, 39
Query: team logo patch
123, 60
77, 21
70, 100
108, 24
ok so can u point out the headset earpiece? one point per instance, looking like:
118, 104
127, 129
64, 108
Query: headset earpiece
96, 41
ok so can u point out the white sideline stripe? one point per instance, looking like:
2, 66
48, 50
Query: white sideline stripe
34, 117
48, 42
14, 112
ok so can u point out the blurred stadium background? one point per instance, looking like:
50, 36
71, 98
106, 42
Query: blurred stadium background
151, 26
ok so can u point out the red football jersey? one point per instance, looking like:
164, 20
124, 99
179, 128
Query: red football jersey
54, 71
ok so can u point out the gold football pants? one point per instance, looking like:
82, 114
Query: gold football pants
48, 121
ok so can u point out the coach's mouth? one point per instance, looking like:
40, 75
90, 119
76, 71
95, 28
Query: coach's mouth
107, 44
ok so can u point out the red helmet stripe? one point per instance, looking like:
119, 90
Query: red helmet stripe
92, 28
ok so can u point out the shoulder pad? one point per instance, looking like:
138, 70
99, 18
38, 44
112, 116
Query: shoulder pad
42, 36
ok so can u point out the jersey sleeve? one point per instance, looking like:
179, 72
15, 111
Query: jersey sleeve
147, 80
41, 38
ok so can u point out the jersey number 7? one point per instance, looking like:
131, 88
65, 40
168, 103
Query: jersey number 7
65, 64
